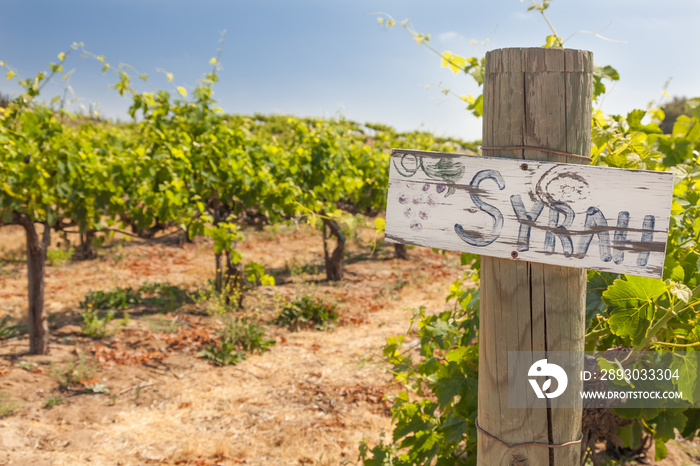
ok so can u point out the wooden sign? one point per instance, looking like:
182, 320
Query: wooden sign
599, 218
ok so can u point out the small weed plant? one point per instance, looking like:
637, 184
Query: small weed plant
53, 401
164, 296
237, 338
222, 298
8, 329
7, 406
308, 312
118, 298
74, 372
12, 273
58, 257
99, 325
217, 303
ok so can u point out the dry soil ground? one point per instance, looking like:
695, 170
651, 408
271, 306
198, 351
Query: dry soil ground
308, 400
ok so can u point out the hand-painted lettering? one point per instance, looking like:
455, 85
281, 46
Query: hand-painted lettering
560, 230
526, 219
647, 237
595, 222
476, 238
599, 218
623, 221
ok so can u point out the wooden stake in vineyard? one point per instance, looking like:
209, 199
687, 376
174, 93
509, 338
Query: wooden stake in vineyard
538, 222
548, 106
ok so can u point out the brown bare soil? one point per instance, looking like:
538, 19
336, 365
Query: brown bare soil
308, 400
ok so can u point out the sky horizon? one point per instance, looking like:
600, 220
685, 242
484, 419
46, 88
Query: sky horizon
326, 59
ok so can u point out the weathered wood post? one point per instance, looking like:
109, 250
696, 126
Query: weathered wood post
534, 98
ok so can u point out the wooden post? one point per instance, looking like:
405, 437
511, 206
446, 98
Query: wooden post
540, 98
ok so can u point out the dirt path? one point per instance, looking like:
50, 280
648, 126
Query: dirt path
309, 400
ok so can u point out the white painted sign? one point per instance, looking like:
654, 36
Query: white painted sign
599, 218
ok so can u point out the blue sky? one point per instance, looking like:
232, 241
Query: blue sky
330, 57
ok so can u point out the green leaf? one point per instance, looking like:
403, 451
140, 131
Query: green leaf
457, 354
634, 119
637, 413
630, 323
379, 225
553, 41
597, 283
693, 423
631, 435
7, 189
427, 442
634, 292
235, 256
474, 260
454, 428
455, 62
661, 451
449, 384
607, 72
666, 421
51, 217
267, 280
677, 273
411, 422
634, 296
600, 73
686, 363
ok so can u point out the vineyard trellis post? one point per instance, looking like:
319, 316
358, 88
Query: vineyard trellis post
533, 97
